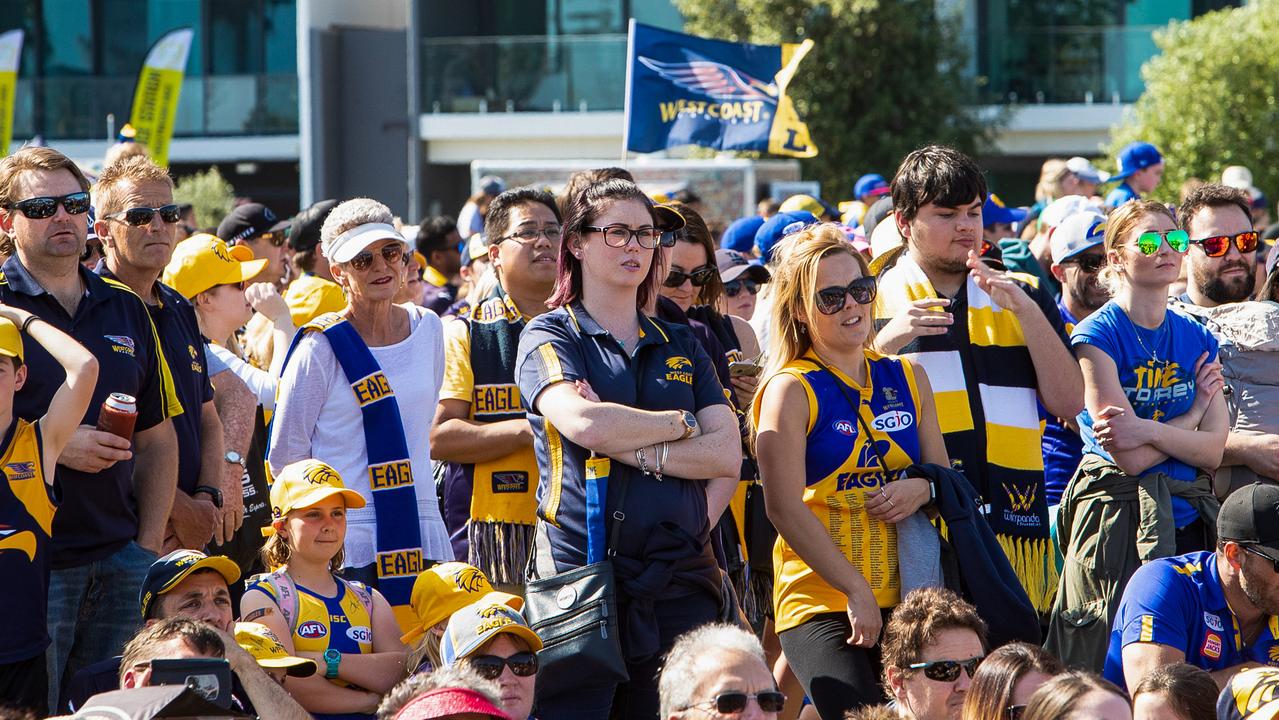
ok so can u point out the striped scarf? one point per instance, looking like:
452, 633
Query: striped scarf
984, 385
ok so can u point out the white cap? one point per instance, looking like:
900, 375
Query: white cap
1077, 233
1238, 177
352, 242
885, 236
1061, 208
1082, 167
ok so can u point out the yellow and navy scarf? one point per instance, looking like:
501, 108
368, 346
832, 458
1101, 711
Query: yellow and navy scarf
984, 385
398, 559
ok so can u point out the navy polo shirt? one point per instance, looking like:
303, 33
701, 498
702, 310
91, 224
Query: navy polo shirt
99, 512
669, 370
183, 348
1178, 601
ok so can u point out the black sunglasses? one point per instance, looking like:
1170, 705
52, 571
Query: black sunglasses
770, 701
139, 216
700, 276
39, 208
391, 253
833, 299
523, 664
948, 670
1087, 263
733, 288
1258, 553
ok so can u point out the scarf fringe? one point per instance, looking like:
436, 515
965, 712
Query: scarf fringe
757, 601
500, 550
1033, 562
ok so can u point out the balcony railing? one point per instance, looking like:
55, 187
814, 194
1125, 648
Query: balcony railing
523, 74
76, 108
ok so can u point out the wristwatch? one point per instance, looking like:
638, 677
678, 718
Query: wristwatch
690, 424
212, 492
235, 457
331, 659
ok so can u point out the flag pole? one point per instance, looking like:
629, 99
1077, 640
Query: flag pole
626, 102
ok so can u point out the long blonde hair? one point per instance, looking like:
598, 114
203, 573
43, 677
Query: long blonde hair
1120, 224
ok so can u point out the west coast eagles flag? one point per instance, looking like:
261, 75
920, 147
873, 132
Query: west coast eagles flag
686, 90
155, 101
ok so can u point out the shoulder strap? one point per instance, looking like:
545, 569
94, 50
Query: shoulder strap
856, 406
285, 591
362, 593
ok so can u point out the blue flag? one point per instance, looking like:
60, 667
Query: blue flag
686, 90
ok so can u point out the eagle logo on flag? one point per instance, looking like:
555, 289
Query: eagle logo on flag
714, 79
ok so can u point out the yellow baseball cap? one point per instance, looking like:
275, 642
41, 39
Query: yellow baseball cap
310, 296
258, 640
807, 203
203, 261
446, 588
305, 483
10, 339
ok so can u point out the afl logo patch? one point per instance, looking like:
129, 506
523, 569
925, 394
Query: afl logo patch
312, 629
893, 421
844, 427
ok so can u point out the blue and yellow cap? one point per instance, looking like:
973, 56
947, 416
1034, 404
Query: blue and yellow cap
169, 571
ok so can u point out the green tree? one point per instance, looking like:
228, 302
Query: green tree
1211, 98
885, 77
209, 193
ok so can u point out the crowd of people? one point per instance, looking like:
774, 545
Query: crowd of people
921, 455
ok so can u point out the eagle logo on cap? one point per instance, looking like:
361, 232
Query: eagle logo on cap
469, 579
320, 475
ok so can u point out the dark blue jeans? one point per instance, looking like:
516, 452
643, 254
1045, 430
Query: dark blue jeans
93, 611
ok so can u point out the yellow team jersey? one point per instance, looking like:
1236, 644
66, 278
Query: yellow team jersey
840, 468
340, 622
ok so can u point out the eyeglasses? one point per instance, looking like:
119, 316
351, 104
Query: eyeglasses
1148, 242
670, 237
699, 276
531, 234
770, 701
619, 236
1219, 245
523, 664
948, 670
833, 299
1258, 553
733, 288
39, 208
139, 216
392, 253
1086, 263
1015, 712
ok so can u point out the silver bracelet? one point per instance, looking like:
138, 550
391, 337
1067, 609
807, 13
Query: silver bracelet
641, 460
660, 457
666, 453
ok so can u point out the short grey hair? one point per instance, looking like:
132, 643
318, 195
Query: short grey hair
351, 213
457, 675
685, 663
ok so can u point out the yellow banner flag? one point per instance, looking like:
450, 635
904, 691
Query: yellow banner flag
10, 58
155, 101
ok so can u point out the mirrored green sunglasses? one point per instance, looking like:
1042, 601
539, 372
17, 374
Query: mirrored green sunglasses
1148, 242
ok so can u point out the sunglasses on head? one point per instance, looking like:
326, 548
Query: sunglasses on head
700, 276
1219, 245
732, 703
138, 216
1086, 263
1258, 553
39, 208
833, 299
1148, 242
948, 670
523, 664
392, 254
733, 288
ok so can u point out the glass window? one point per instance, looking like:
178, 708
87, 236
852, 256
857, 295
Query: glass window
235, 35
67, 27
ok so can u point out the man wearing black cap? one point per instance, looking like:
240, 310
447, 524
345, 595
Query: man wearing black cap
438, 241
257, 228
1214, 610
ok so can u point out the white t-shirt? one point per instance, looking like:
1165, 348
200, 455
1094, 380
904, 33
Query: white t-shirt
261, 382
317, 417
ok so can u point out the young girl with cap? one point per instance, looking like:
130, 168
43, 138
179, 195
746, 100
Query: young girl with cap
438, 593
345, 626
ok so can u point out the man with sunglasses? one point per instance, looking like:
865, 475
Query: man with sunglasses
440, 243
1215, 610
495, 641
115, 495
1220, 280
254, 226
718, 671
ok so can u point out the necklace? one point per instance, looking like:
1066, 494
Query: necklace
1136, 329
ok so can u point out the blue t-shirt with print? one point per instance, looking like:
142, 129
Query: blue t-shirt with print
1157, 372
1062, 447
1178, 602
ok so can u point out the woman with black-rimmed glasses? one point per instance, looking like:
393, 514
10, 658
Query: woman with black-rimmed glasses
613, 393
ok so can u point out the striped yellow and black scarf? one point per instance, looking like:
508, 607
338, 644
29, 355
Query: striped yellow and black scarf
984, 385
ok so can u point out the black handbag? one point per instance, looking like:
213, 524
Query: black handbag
575, 615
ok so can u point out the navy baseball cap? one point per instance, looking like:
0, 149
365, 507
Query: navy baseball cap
872, 184
169, 571
1136, 156
995, 211
740, 235
778, 227
249, 221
